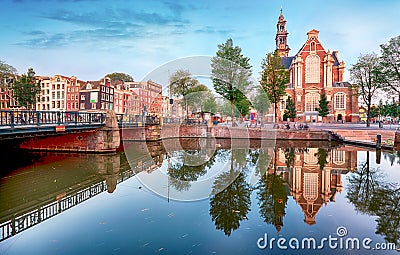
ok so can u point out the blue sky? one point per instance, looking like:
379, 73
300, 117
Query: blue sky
89, 38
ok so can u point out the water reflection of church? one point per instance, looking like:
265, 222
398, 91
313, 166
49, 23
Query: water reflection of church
313, 176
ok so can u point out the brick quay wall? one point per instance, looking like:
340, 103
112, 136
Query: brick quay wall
154, 133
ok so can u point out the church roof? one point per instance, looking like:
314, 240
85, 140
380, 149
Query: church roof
287, 61
342, 84
336, 63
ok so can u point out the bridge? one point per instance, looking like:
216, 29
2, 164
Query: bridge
14, 123
97, 131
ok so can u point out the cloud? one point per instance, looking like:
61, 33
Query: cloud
213, 30
112, 17
42, 40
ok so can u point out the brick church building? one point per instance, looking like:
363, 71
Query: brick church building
313, 71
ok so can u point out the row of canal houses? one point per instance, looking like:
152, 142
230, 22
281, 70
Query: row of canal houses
62, 93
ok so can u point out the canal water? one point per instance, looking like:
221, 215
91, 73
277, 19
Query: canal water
202, 197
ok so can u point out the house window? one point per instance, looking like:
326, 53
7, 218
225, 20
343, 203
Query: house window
312, 101
93, 105
82, 106
338, 157
340, 100
312, 69
310, 156
283, 104
82, 97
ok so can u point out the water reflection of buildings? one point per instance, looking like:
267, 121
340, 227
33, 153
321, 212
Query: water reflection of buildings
314, 176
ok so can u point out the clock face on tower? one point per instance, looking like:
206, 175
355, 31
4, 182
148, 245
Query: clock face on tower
281, 46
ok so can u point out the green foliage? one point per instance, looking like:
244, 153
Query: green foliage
289, 157
375, 112
231, 205
367, 78
388, 109
181, 83
120, 77
322, 155
290, 111
390, 66
261, 102
200, 98
274, 79
323, 109
372, 193
230, 73
272, 197
26, 89
6, 71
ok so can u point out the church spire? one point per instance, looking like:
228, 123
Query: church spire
281, 36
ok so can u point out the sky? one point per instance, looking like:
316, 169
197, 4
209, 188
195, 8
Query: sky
90, 38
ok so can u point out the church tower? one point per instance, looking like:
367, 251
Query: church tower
281, 37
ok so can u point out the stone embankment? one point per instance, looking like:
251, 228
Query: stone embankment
154, 133
368, 137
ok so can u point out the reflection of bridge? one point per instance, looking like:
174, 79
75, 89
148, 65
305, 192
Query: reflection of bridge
43, 208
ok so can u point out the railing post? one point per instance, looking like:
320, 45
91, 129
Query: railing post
378, 141
12, 118
59, 118
38, 118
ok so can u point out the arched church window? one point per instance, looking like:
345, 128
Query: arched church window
312, 69
312, 101
340, 100
310, 186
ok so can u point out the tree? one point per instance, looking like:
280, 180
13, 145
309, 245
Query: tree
6, 72
230, 201
390, 66
231, 205
274, 78
290, 111
272, 199
181, 83
188, 166
322, 155
230, 73
200, 98
261, 104
362, 185
322, 108
120, 77
365, 75
26, 89
371, 193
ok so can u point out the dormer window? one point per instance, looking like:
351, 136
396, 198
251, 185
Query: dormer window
312, 47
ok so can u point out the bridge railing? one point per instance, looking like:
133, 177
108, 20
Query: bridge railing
135, 119
13, 118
